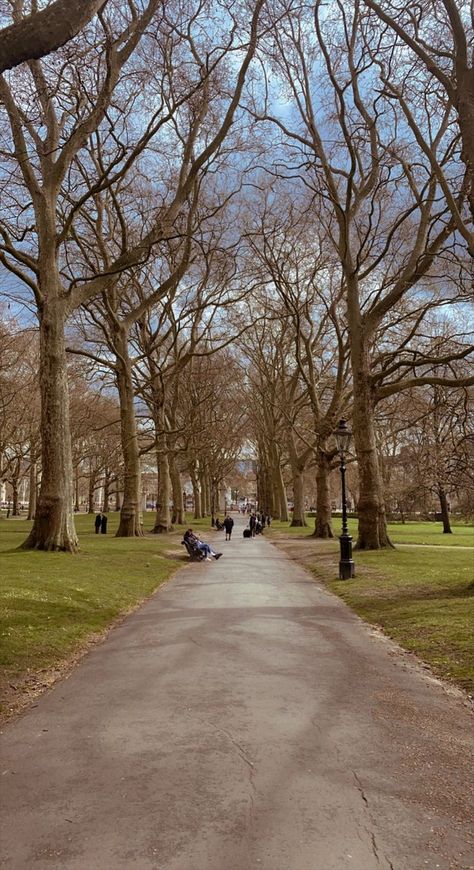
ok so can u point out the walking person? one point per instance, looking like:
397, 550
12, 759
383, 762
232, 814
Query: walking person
228, 525
98, 522
252, 524
103, 525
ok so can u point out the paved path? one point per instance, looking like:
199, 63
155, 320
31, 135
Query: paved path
243, 719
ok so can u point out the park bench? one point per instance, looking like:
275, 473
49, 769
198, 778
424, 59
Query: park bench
195, 554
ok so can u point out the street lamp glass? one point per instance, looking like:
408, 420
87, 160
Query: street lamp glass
343, 436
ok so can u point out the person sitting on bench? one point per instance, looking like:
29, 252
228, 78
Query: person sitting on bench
196, 542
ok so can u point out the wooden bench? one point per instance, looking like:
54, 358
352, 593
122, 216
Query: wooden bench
194, 553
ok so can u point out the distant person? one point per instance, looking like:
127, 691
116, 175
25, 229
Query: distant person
252, 524
98, 523
103, 525
228, 525
201, 545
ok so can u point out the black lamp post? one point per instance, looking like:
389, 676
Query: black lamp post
346, 564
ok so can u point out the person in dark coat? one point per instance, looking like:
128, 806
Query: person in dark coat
228, 525
252, 524
98, 523
103, 525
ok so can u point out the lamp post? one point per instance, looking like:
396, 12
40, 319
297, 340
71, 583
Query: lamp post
346, 564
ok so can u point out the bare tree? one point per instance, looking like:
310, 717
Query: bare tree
308, 285
383, 210
437, 72
52, 115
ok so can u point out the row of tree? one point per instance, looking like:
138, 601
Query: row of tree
200, 437
296, 179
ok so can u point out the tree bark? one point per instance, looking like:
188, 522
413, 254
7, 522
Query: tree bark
443, 501
105, 501
196, 494
323, 520
281, 499
214, 502
298, 518
44, 31
130, 514
372, 533
76, 488
14, 484
163, 515
205, 494
53, 526
32, 493
90, 509
178, 503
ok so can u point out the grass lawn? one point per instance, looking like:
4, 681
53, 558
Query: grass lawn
429, 534
53, 604
420, 596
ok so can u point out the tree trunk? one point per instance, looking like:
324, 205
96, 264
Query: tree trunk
443, 501
76, 488
214, 502
281, 502
205, 498
32, 493
163, 516
465, 108
323, 520
130, 514
196, 494
372, 533
14, 484
298, 518
90, 509
105, 501
270, 495
178, 503
53, 526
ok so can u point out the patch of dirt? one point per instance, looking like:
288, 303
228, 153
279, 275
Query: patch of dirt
176, 555
18, 693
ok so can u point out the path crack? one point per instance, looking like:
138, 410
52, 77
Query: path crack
238, 746
360, 788
374, 846
373, 841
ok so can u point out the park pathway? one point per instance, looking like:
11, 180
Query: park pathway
242, 719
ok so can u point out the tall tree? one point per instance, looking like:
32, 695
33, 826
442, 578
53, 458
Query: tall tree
48, 134
380, 206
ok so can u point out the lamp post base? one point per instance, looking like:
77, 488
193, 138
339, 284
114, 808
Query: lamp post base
346, 563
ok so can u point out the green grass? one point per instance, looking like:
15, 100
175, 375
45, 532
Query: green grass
52, 604
429, 534
422, 597
422, 600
